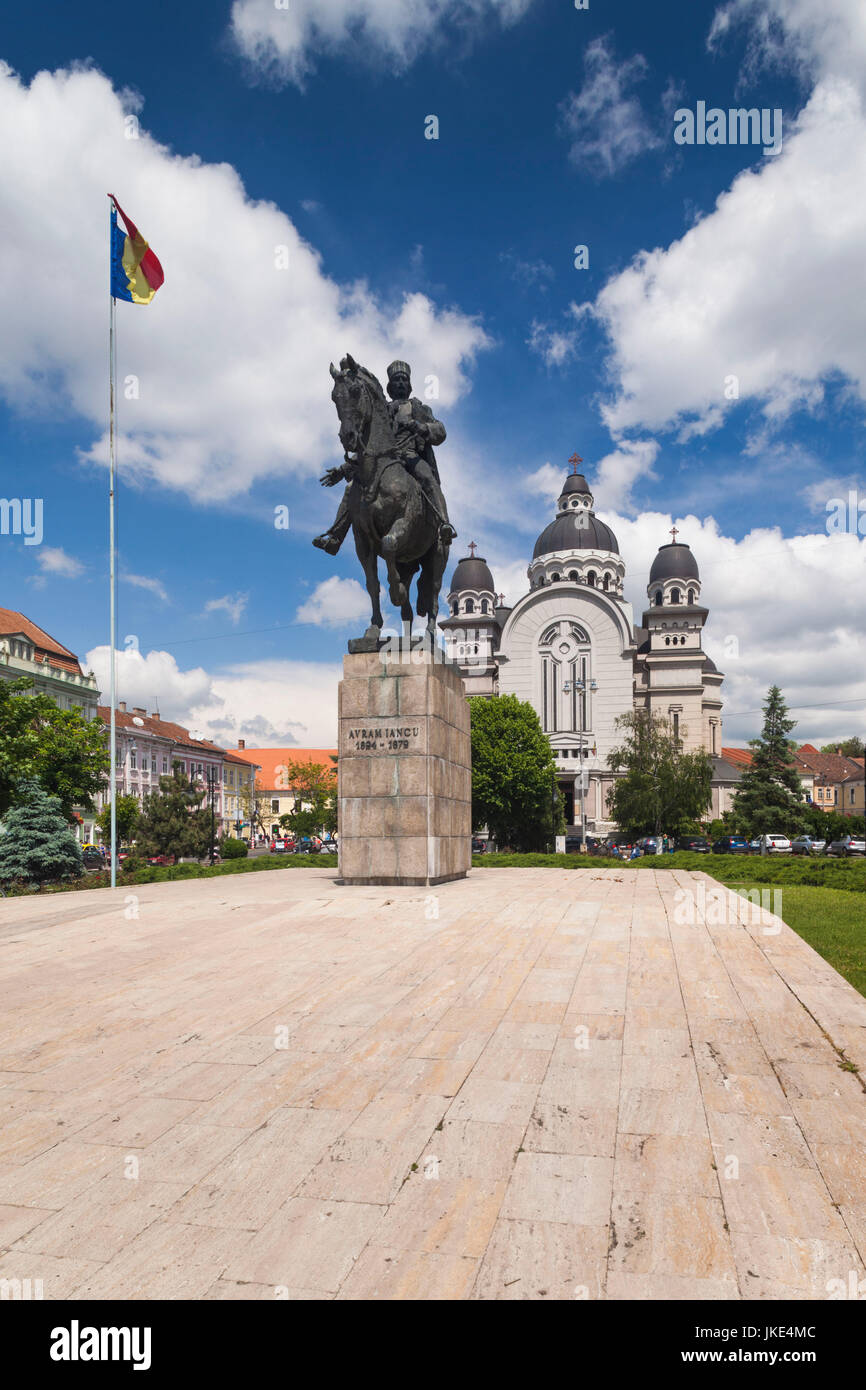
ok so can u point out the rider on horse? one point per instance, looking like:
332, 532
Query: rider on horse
416, 430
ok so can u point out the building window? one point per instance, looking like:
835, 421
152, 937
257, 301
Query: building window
590, 579
132, 755
658, 598
275, 805
484, 605
675, 595
676, 722
572, 574
554, 579
165, 765
691, 596
469, 606
606, 584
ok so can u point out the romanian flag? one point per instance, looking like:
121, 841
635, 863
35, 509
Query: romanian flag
136, 274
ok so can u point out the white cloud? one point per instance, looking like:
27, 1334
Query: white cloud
619, 470
280, 43
53, 560
335, 603
775, 602
232, 355
604, 120
232, 604
554, 346
546, 481
761, 300
143, 581
272, 703
817, 39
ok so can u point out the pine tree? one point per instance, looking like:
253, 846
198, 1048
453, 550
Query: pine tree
769, 797
38, 845
171, 821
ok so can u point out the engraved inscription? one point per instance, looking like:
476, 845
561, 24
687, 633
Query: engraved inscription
383, 738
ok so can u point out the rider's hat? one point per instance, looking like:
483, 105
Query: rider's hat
397, 367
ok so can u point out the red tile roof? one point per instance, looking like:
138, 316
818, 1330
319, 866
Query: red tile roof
830, 767
740, 757
272, 759
12, 622
162, 728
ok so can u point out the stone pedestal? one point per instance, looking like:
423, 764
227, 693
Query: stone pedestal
405, 782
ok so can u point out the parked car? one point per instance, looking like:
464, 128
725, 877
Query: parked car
161, 859
480, 846
775, 844
731, 844
92, 857
328, 845
651, 844
307, 844
847, 846
281, 845
620, 847
694, 844
804, 844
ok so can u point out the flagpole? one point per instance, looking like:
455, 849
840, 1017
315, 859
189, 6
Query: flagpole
113, 585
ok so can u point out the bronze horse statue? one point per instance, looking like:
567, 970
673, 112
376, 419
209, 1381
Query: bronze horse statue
390, 514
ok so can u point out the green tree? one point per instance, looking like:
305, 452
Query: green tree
171, 820
769, 797
127, 813
59, 747
514, 790
314, 786
664, 789
38, 844
848, 747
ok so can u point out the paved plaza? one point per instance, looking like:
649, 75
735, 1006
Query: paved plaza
535, 1083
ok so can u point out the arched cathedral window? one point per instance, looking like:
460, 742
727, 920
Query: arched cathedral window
691, 596
565, 657
675, 595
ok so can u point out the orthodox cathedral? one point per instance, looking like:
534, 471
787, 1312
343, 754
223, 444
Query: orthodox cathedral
571, 648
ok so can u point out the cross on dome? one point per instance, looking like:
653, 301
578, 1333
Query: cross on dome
674, 533
574, 461
473, 547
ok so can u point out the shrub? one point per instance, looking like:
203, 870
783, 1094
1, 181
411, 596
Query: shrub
231, 848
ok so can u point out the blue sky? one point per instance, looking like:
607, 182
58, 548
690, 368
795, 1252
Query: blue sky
305, 128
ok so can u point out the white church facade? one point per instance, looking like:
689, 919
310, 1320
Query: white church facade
571, 648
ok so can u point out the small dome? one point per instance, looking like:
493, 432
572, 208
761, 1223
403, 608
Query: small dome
472, 573
575, 482
674, 561
575, 533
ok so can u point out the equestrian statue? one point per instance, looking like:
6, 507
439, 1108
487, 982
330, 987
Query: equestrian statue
393, 502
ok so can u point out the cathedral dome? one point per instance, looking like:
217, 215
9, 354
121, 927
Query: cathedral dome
568, 532
674, 561
472, 573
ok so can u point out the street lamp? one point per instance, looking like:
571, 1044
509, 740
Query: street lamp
212, 774
581, 685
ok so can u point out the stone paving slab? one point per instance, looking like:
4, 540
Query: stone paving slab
531, 1084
